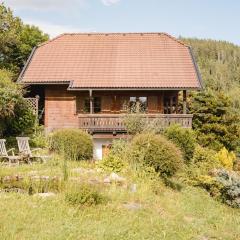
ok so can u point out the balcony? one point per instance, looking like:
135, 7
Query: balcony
114, 122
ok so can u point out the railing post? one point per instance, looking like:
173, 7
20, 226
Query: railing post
184, 101
91, 101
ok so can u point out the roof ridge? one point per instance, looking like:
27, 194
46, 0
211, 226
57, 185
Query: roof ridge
175, 39
114, 33
51, 40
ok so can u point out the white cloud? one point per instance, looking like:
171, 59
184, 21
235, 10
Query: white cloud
43, 4
54, 29
109, 2
52, 4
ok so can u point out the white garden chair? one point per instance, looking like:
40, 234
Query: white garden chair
5, 156
26, 151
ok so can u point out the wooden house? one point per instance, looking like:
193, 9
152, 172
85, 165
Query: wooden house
88, 81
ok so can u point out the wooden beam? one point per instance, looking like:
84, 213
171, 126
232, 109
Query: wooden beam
91, 101
184, 101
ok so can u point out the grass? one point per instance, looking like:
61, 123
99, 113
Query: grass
189, 214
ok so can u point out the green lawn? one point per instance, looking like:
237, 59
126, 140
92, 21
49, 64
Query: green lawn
189, 214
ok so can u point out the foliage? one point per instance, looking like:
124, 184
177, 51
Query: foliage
39, 138
226, 158
30, 185
10, 94
203, 162
22, 122
111, 163
184, 138
216, 126
16, 40
134, 123
156, 151
230, 191
115, 161
15, 116
219, 66
85, 195
74, 144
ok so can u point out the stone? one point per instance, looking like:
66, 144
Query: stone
45, 195
107, 180
133, 188
116, 178
83, 170
132, 206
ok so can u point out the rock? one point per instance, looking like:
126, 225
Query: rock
116, 178
113, 177
45, 177
132, 206
94, 181
83, 170
35, 177
133, 187
107, 180
45, 195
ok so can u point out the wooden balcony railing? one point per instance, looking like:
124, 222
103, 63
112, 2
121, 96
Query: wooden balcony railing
115, 122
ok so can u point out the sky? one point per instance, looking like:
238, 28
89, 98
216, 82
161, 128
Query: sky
211, 19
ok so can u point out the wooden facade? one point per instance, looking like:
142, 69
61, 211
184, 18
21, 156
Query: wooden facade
76, 109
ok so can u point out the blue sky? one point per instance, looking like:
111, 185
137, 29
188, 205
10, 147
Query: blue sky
215, 19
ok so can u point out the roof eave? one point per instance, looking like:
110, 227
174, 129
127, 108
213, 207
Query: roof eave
199, 77
71, 88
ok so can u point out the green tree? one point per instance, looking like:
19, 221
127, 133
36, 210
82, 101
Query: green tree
216, 125
16, 40
15, 116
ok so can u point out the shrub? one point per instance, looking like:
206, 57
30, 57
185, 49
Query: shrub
73, 144
85, 195
134, 123
230, 191
22, 122
39, 138
184, 138
112, 163
197, 173
115, 161
204, 160
156, 151
226, 158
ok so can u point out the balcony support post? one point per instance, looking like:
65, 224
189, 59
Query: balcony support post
91, 101
184, 101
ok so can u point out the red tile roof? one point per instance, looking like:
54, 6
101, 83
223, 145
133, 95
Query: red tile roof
115, 60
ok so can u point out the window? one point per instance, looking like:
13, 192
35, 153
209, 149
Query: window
170, 104
138, 104
96, 105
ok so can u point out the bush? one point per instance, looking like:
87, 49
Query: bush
73, 144
156, 151
85, 195
197, 173
111, 163
226, 158
184, 138
115, 161
204, 160
39, 138
134, 123
230, 191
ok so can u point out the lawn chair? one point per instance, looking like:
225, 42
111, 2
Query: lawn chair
4, 154
24, 150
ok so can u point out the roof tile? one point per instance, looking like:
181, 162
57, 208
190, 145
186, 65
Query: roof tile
131, 60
